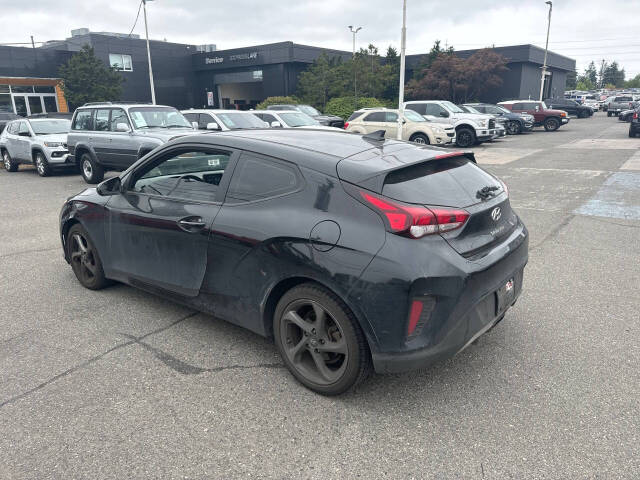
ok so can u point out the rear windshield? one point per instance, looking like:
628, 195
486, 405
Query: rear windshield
448, 182
241, 120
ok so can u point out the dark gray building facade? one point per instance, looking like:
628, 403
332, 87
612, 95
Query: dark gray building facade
190, 76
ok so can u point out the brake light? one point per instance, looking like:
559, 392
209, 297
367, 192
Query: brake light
346, 124
635, 115
415, 221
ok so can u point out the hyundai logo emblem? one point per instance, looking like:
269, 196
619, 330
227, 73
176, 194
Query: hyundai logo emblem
496, 213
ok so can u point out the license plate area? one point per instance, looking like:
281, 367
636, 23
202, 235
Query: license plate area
505, 296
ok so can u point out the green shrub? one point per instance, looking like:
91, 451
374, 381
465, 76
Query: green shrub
344, 106
276, 101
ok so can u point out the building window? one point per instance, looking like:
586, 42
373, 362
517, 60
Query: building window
121, 62
257, 74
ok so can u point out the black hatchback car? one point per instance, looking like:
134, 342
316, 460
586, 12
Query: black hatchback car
352, 252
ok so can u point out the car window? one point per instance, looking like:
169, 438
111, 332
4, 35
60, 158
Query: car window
266, 117
259, 178
82, 120
421, 108
187, 175
298, 119
375, 117
355, 115
12, 128
433, 109
23, 128
204, 120
50, 126
158, 116
192, 117
483, 109
411, 116
240, 120
118, 116
101, 120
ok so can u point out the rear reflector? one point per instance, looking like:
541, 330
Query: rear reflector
420, 313
346, 124
414, 316
413, 220
635, 115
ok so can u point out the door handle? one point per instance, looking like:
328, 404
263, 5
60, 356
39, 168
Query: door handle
191, 224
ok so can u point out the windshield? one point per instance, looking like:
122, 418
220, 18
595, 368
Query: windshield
453, 107
413, 116
471, 109
309, 110
502, 109
241, 120
50, 127
544, 106
163, 117
298, 119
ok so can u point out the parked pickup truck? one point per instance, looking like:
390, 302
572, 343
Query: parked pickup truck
619, 103
550, 119
471, 128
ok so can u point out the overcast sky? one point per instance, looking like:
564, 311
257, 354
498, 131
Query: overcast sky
581, 29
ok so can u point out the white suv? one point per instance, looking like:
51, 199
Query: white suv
222, 120
41, 142
470, 128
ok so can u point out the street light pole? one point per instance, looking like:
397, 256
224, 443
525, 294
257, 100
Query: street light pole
403, 47
146, 29
353, 60
546, 48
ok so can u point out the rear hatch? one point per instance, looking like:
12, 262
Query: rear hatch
446, 182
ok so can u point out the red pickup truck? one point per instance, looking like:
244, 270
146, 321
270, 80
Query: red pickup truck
551, 120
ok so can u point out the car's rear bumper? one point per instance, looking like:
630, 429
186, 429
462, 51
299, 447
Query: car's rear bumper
470, 307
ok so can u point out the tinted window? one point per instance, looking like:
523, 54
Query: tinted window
101, 121
192, 117
266, 117
355, 115
82, 120
421, 108
433, 109
256, 178
118, 116
483, 109
391, 117
187, 175
375, 117
204, 120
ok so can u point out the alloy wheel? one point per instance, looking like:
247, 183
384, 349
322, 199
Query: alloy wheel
419, 140
40, 165
314, 342
87, 169
82, 257
7, 162
513, 128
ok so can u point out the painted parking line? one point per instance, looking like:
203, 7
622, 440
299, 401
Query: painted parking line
501, 156
603, 143
618, 197
633, 163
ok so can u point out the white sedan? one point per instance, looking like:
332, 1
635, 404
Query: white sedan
291, 119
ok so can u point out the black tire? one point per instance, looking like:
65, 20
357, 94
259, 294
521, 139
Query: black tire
41, 164
580, 115
513, 127
608, 114
9, 164
91, 171
420, 138
330, 360
84, 258
632, 133
551, 124
465, 137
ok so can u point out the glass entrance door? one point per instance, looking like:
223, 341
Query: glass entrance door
35, 104
21, 105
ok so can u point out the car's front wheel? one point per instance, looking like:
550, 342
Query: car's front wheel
42, 166
513, 127
9, 164
420, 138
465, 137
92, 171
320, 340
551, 124
85, 259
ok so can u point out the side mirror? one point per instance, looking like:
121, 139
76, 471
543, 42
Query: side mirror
213, 126
111, 186
194, 125
444, 114
276, 125
122, 127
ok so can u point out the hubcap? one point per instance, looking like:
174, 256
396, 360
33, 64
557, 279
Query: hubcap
86, 168
82, 257
313, 342
419, 140
7, 163
40, 164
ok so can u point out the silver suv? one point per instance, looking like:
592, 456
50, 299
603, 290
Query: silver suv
113, 136
41, 142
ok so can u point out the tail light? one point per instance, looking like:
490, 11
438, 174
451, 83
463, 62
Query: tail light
635, 115
415, 221
346, 124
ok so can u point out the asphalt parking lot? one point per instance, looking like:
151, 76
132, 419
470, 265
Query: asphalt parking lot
122, 384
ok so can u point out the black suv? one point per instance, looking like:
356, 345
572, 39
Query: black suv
350, 251
634, 126
514, 123
570, 106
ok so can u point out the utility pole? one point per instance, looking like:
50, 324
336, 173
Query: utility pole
146, 29
353, 60
546, 48
33, 44
403, 48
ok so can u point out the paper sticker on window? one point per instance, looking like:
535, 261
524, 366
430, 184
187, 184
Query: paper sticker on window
214, 162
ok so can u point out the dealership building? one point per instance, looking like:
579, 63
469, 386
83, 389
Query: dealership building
201, 76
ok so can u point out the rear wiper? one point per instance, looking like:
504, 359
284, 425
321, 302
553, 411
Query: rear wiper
486, 192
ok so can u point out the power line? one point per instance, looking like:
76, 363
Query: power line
136, 21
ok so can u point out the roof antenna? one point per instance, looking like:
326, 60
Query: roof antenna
378, 136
